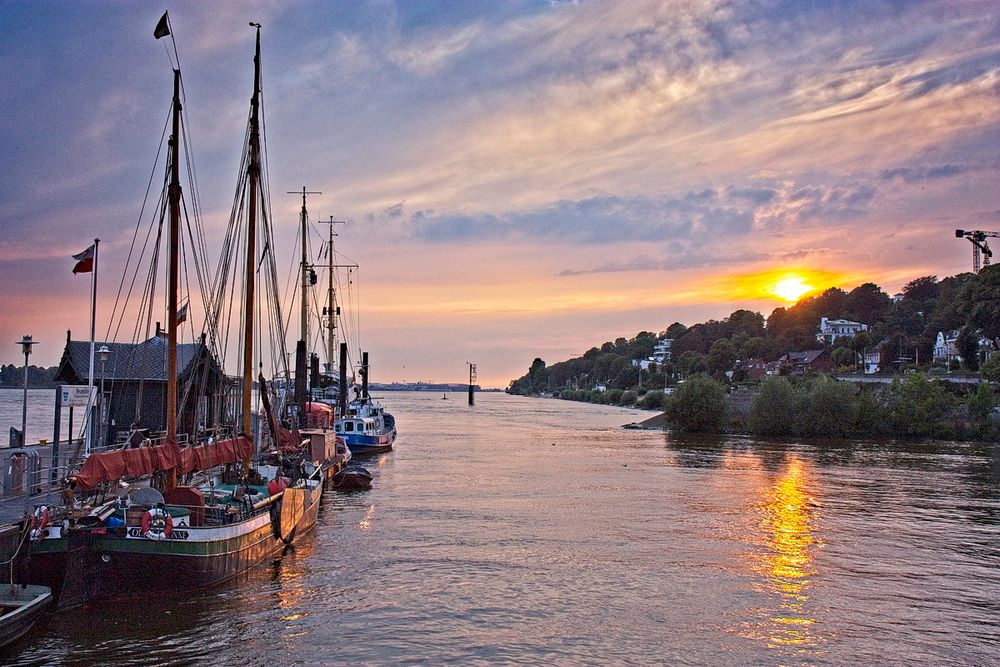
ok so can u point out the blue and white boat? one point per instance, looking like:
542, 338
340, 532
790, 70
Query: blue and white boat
366, 427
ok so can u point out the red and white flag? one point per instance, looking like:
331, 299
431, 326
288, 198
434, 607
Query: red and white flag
84, 261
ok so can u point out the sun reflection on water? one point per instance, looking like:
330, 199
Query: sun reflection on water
787, 562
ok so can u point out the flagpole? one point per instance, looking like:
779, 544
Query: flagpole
93, 326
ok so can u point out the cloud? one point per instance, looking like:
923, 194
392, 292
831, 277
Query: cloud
729, 211
929, 173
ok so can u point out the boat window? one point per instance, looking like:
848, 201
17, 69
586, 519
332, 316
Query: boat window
348, 426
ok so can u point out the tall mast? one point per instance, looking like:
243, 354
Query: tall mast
174, 200
331, 299
300, 347
251, 235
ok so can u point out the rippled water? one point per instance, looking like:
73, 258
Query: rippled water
539, 531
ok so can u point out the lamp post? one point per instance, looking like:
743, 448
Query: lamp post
103, 352
25, 344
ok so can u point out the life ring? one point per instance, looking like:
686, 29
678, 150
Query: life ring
156, 524
39, 522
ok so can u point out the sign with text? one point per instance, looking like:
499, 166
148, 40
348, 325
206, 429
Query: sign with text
75, 395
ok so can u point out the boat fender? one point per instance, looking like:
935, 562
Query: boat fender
39, 522
276, 486
157, 524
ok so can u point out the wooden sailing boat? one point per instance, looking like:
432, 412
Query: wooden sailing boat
194, 535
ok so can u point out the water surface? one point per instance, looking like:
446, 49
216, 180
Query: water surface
538, 531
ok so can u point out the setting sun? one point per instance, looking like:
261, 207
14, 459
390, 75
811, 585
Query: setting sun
791, 288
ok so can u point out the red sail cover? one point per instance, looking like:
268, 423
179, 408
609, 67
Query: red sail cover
109, 466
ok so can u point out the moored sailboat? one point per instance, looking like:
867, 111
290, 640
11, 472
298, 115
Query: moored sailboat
221, 505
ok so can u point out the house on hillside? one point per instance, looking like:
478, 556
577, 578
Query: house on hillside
831, 330
944, 347
753, 369
873, 360
797, 363
661, 351
134, 379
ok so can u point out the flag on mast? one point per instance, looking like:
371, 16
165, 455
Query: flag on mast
84, 261
182, 313
162, 28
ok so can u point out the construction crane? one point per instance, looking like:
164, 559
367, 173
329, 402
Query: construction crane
981, 252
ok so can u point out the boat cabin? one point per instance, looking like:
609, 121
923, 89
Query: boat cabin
364, 426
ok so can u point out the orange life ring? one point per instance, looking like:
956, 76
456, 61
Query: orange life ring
156, 524
39, 522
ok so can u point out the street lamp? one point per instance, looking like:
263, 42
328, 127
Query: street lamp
25, 344
103, 352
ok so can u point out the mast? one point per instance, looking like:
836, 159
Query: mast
300, 348
174, 200
254, 185
331, 299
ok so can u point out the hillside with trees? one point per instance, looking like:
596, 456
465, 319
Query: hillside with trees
901, 334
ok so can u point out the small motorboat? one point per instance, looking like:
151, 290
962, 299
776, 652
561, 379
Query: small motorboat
21, 605
352, 478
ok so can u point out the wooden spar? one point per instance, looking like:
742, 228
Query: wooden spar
254, 167
174, 201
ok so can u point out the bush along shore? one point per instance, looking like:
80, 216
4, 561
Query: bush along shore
816, 405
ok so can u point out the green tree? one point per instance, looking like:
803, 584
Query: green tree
979, 301
831, 409
652, 400
917, 405
721, 356
867, 303
967, 345
628, 398
690, 362
990, 369
842, 356
697, 406
981, 403
774, 408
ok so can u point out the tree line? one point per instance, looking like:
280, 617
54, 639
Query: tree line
39, 377
693, 386
902, 330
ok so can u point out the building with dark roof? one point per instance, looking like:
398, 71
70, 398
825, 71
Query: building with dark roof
135, 384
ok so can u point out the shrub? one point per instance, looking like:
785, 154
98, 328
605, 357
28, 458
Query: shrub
653, 400
831, 409
698, 405
628, 398
775, 408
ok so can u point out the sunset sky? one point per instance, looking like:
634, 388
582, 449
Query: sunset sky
520, 179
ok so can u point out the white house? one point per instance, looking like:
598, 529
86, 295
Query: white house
831, 330
944, 347
661, 351
873, 361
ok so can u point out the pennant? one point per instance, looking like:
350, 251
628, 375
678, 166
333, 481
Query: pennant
182, 314
84, 261
161, 29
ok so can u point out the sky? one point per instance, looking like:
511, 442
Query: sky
519, 179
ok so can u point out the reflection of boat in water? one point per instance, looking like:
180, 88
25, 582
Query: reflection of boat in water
210, 511
21, 605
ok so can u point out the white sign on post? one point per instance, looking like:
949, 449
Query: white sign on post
76, 395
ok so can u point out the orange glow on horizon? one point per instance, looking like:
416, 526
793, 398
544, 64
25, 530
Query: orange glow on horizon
792, 288
784, 285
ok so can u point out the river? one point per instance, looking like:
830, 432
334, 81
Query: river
537, 531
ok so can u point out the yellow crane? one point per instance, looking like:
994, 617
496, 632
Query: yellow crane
981, 252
